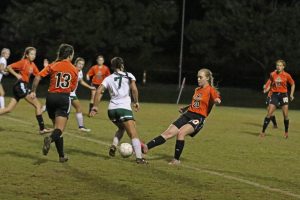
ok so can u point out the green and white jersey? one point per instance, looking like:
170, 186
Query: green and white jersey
118, 85
4, 62
80, 77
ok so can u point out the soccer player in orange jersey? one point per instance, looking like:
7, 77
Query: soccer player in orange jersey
98, 73
25, 67
191, 121
63, 80
272, 118
278, 86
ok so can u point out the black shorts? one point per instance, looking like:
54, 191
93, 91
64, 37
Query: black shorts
194, 119
268, 99
20, 90
279, 99
58, 104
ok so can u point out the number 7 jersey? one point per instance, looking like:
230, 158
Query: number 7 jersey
118, 85
63, 76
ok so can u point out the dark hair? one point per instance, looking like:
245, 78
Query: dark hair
27, 51
117, 63
78, 59
64, 51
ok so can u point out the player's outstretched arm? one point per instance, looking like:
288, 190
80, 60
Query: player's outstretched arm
83, 83
35, 84
98, 96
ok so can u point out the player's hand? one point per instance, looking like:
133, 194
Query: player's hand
46, 62
32, 95
136, 106
18, 76
292, 97
217, 100
93, 112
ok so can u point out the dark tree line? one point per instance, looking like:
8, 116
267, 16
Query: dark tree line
232, 37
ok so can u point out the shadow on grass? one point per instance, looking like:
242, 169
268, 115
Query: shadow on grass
254, 133
37, 160
253, 124
86, 153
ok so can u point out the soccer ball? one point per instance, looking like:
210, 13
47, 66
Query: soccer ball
126, 150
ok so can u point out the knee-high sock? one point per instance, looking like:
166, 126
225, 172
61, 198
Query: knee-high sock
137, 147
79, 118
266, 123
178, 148
155, 142
2, 102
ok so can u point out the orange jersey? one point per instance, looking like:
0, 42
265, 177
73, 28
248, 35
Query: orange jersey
279, 81
63, 76
98, 73
268, 84
25, 68
203, 100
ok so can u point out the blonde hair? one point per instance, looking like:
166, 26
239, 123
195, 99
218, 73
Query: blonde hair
281, 61
4, 50
209, 75
79, 59
27, 51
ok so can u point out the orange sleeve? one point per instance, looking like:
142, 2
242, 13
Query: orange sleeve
268, 84
290, 80
35, 70
44, 71
214, 94
91, 72
18, 65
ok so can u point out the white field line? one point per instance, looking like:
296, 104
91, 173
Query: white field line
245, 181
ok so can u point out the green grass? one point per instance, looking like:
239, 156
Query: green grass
228, 147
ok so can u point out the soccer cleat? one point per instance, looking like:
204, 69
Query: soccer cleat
262, 135
112, 150
174, 162
141, 161
83, 129
46, 130
286, 135
63, 159
46, 147
144, 148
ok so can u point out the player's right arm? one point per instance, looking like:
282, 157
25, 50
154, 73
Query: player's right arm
267, 86
37, 79
98, 96
135, 95
90, 73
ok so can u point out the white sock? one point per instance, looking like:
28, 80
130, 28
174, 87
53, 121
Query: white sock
116, 141
137, 147
79, 118
2, 102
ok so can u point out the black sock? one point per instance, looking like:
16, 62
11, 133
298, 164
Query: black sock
273, 119
155, 142
60, 147
286, 125
266, 123
40, 121
178, 149
55, 136
90, 107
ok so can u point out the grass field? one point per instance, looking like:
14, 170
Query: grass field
227, 160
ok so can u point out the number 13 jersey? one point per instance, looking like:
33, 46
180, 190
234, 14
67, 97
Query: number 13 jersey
118, 85
63, 76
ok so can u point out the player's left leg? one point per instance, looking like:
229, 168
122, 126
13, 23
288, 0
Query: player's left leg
38, 111
183, 131
285, 109
2, 100
79, 115
117, 138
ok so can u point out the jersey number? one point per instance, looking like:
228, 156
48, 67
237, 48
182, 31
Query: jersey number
120, 81
62, 80
196, 104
